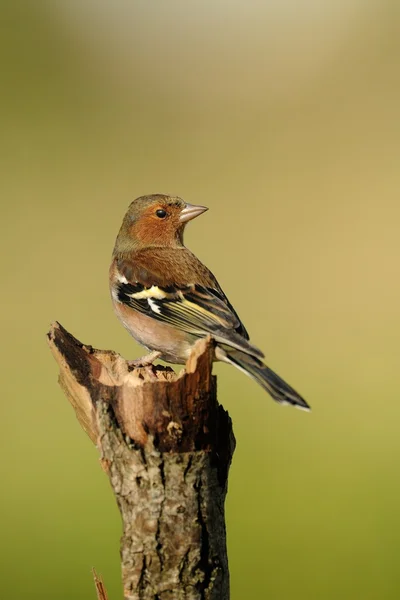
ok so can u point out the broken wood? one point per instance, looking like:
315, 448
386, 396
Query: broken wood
100, 589
166, 445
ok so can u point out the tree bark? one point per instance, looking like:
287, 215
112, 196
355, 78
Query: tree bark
166, 445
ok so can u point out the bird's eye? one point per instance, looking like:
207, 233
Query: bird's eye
161, 213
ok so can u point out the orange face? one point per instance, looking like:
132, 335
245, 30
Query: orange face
160, 222
156, 220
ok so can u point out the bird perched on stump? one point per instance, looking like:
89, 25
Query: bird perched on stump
167, 299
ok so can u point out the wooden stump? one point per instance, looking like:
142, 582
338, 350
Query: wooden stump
166, 445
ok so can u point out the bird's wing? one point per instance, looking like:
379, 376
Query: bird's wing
241, 329
197, 309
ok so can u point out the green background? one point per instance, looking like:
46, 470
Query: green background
284, 119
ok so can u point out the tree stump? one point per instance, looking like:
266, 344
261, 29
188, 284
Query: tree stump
166, 445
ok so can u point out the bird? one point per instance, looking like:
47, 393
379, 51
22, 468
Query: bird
167, 299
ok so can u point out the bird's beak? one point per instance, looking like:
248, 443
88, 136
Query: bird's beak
191, 211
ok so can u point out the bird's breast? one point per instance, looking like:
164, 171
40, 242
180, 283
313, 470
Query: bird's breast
174, 345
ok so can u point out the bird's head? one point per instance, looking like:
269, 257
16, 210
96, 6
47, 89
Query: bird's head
156, 220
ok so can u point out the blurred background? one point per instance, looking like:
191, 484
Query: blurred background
283, 118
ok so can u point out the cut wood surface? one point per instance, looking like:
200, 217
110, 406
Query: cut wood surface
166, 445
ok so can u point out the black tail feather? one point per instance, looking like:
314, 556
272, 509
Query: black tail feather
270, 381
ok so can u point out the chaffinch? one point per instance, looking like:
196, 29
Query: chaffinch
167, 299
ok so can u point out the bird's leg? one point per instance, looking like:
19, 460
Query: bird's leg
144, 361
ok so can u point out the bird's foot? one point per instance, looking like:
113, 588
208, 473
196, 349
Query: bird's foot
144, 361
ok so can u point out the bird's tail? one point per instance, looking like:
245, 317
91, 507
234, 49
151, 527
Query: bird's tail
270, 381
